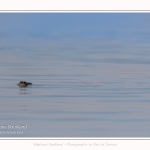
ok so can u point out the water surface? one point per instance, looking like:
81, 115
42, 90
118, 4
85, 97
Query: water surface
81, 93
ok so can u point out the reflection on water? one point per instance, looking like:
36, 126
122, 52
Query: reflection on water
24, 91
93, 95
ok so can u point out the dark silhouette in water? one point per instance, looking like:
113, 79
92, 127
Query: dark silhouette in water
24, 83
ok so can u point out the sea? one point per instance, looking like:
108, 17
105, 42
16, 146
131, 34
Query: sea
75, 92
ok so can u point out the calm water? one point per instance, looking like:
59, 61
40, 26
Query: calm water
75, 93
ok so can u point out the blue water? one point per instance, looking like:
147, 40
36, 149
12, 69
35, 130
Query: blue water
75, 93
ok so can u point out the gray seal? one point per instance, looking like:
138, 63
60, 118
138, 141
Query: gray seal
24, 83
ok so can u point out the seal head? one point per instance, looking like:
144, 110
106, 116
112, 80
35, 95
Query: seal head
24, 83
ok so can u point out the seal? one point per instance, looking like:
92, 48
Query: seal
24, 83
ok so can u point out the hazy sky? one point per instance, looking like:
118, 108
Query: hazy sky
97, 29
